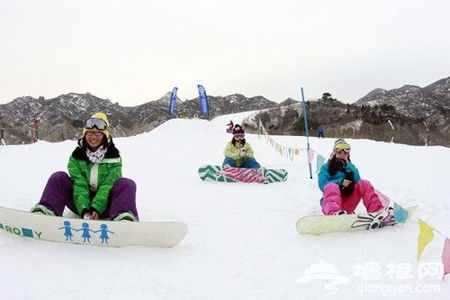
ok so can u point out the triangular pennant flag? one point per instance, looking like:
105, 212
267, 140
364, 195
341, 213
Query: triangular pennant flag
319, 162
310, 155
400, 214
425, 237
446, 257
386, 201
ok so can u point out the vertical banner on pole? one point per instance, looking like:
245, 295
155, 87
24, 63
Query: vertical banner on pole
305, 117
203, 99
173, 100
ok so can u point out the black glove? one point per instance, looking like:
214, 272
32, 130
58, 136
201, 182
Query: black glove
349, 175
348, 190
335, 164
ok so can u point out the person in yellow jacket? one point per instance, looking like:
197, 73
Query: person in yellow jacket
238, 152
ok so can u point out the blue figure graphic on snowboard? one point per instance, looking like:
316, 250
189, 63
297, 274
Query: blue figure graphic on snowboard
86, 232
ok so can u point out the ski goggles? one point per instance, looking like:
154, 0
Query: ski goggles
239, 136
342, 146
95, 122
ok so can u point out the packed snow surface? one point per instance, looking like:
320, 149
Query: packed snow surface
241, 242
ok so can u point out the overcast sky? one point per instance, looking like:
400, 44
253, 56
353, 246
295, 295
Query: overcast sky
135, 51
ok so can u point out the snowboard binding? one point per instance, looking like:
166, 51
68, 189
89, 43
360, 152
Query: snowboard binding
380, 219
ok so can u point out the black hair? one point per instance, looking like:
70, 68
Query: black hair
84, 144
236, 126
234, 141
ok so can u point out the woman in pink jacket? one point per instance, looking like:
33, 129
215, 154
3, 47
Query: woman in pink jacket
342, 186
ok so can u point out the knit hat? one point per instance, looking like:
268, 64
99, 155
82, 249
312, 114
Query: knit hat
97, 122
341, 144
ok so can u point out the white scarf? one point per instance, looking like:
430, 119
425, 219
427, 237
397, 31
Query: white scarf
97, 155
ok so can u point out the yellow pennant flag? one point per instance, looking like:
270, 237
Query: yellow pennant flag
425, 237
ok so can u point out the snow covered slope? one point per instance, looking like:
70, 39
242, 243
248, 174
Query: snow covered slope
242, 242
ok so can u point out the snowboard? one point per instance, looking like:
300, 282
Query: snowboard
322, 224
243, 175
91, 232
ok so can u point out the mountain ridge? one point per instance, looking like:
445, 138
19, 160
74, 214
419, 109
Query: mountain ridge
418, 115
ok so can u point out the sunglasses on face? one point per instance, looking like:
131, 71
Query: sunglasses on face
342, 147
96, 133
343, 152
239, 136
95, 122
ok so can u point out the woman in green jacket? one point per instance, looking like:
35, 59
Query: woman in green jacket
239, 153
94, 188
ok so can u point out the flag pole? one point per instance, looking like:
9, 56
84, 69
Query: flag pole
305, 117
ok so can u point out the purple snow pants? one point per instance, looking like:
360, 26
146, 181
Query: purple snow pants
58, 193
333, 201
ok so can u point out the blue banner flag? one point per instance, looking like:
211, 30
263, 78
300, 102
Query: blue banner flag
203, 99
173, 100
